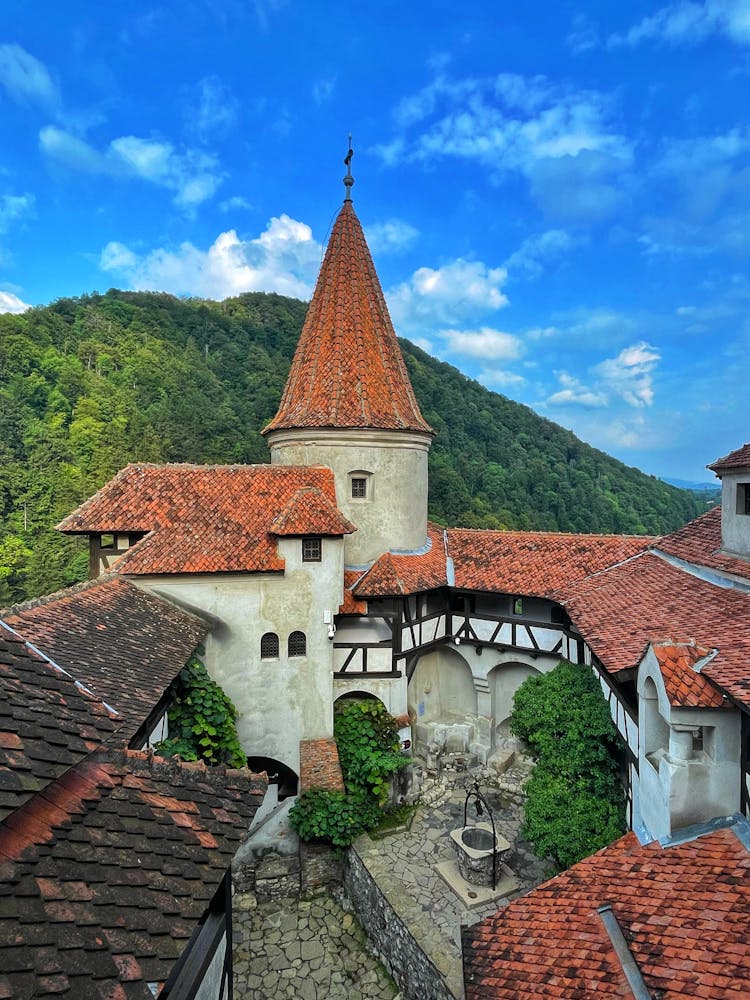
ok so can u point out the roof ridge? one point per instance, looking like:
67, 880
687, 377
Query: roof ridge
60, 595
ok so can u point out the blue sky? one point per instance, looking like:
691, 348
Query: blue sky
556, 194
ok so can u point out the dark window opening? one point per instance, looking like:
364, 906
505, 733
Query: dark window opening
517, 605
269, 646
743, 498
359, 489
106, 541
278, 774
297, 645
311, 550
559, 616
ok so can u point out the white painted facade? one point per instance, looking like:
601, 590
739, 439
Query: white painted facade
393, 515
735, 512
284, 699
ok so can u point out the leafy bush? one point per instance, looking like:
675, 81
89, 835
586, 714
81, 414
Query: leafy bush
575, 801
201, 720
565, 820
367, 741
337, 817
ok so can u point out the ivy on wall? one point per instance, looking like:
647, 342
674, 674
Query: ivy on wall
201, 720
367, 741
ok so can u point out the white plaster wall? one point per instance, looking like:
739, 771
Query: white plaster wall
391, 692
735, 528
442, 687
279, 701
675, 793
505, 679
394, 516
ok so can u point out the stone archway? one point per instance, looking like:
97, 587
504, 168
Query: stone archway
286, 780
441, 688
504, 680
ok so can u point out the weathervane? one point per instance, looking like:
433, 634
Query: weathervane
349, 180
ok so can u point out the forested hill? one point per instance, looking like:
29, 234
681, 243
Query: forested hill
89, 384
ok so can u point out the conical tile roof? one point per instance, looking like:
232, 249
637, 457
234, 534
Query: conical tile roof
348, 371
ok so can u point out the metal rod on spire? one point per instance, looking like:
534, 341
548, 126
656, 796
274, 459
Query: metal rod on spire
349, 180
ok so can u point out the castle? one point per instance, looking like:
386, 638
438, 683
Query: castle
320, 576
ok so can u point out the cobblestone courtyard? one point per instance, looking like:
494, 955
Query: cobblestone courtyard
315, 950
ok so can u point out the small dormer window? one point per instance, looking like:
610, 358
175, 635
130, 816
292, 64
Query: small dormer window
743, 498
311, 549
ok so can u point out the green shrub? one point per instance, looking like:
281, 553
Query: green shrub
567, 821
201, 720
336, 817
575, 800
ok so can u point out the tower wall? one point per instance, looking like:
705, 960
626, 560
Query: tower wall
393, 515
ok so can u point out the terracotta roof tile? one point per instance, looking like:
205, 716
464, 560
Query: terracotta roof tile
319, 766
407, 574
352, 605
684, 911
699, 542
679, 663
201, 518
738, 459
534, 563
125, 644
310, 512
623, 609
348, 370
48, 721
109, 905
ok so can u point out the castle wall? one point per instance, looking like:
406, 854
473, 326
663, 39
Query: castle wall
284, 699
735, 523
394, 514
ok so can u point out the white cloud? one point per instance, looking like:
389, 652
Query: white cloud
26, 79
323, 89
391, 236
484, 343
572, 392
630, 374
536, 252
10, 303
688, 22
14, 207
449, 296
499, 378
213, 110
284, 259
236, 203
192, 175
561, 139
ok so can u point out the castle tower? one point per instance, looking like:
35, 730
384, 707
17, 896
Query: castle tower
348, 402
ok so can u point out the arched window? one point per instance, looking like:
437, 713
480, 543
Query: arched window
269, 646
297, 644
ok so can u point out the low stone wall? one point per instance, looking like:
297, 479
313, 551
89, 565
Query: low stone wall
401, 933
321, 867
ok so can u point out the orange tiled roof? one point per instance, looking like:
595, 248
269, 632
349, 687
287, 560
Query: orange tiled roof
103, 633
684, 911
685, 686
738, 459
200, 518
319, 766
352, 605
310, 512
348, 370
534, 563
406, 574
699, 542
623, 609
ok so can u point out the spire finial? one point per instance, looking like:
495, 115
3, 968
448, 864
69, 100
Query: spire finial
349, 180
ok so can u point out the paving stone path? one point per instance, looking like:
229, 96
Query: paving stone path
411, 857
303, 950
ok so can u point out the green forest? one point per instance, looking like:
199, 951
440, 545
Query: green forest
89, 384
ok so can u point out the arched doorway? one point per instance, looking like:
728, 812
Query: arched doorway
442, 688
278, 774
504, 680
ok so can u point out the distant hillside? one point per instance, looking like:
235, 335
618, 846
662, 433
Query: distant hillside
89, 384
